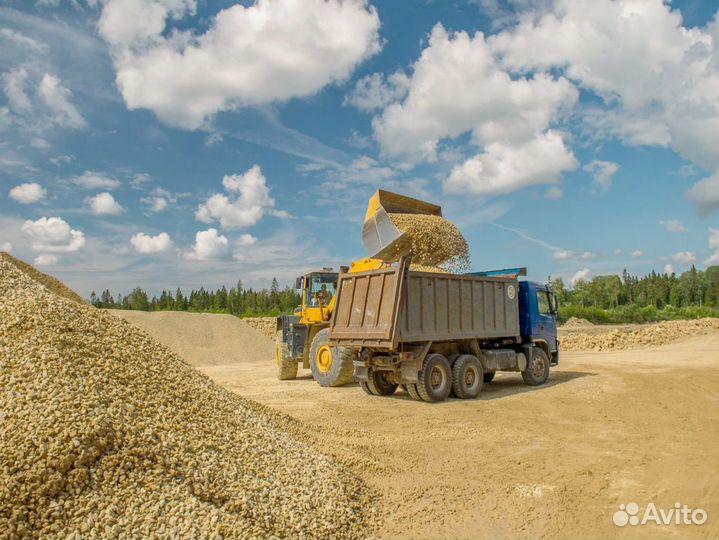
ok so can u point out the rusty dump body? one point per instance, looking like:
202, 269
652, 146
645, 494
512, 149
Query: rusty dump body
387, 308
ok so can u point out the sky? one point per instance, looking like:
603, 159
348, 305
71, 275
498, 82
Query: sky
188, 143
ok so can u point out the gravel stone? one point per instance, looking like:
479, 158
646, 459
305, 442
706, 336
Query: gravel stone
106, 433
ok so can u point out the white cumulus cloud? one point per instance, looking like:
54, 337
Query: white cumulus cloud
705, 195
250, 55
637, 253
93, 180
603, 173
504, 168
580, 275
146, 244
52, 235
209, 245
673, 225
28, 193
104, 204
248, 201
668, 269
57, 99
46, 259
685, 257
713, 246
6, 246
373, 92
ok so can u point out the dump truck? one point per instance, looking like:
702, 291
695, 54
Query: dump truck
303, 337
440, 334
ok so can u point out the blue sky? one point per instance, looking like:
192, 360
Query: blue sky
168, 143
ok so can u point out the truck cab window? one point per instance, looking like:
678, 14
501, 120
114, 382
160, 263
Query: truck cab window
543, 304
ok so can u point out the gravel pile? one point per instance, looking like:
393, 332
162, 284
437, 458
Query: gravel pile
576, 322
629, 338
264, 325
434, 241
48, 281
105, 433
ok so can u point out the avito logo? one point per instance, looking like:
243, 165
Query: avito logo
628, 514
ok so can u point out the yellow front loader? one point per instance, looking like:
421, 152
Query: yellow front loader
304, 336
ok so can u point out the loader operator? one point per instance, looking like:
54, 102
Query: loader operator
325, 295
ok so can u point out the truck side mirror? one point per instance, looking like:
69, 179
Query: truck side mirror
298, 283
553, 303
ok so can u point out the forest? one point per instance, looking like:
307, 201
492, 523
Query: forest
603, 299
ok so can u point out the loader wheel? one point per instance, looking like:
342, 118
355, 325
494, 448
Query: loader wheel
467, 377
285, 366
435, 378
331, 366
364, 386
537, 371
379, 385
489, 376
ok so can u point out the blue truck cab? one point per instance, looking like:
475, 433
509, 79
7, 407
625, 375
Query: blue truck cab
538, 317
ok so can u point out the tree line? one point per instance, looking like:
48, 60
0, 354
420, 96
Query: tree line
235, 301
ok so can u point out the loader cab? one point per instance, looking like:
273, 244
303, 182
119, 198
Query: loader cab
317, 290
538, 317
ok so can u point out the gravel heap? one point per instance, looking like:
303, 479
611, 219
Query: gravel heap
435, 241
105, 433
48, 281
264, 325
576, 322
629, 338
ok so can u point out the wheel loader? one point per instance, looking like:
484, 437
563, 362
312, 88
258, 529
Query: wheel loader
303, 337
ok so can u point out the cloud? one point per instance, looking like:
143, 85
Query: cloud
104, 204
28, 193
268, 52
57, 98
685, 257
159, 199
673, 225
93, 180
249, 201
21, 39
668, 269
52, 235
46, 259
580, 275
13, 84
603, 172
455, 87
506, 168
554, 193
713, 246
637, 253
705, 195
6, 246
373, 92
146, 244
209, 245
246, 240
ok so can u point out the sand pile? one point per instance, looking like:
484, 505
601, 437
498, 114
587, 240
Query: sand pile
264, 325
434, 241
106, 433
576, 322
629, 338
48, 281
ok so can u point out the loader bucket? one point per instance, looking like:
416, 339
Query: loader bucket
381, 237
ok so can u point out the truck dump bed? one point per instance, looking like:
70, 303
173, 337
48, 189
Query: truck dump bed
383, 308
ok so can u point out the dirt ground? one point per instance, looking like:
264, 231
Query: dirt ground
555, 461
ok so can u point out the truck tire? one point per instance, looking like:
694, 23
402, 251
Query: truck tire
412, 391
379, 385
489, 376
537, 370
331, 366
435, 378
467, 377
364, 386
285, 366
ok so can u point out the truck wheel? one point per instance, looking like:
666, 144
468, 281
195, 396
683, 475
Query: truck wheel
412, 391
331, 366
435, 378
379, 385
537, 371
364, 386
467, 377
285, 366
489, 376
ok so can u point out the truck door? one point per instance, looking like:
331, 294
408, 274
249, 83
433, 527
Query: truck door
546, 326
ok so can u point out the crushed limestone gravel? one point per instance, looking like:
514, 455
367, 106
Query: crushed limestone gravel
267, 326
106, 433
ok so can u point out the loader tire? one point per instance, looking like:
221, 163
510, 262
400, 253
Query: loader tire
364, 386
489, 376
467, 377
379, 385
331, 366
285, 366
435, 378
537, 371
412, 391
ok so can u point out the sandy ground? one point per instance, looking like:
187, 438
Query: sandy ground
552, 462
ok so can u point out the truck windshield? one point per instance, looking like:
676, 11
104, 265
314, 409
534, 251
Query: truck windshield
324, 284
543, 303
